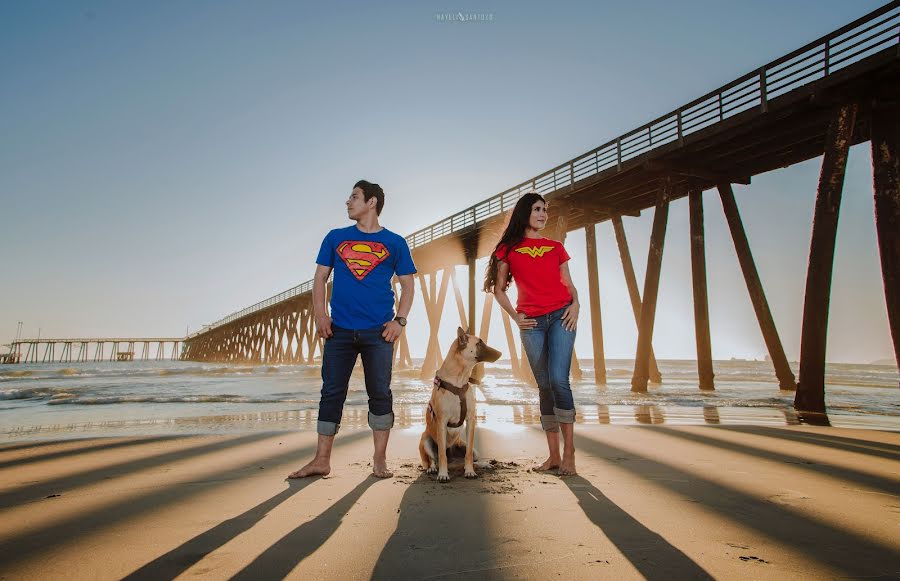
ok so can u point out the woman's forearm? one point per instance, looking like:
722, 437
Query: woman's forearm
504, 302
574, 294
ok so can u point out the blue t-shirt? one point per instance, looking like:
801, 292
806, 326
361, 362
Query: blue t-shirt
361, 294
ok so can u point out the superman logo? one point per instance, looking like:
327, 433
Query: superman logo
535, 251
362, 257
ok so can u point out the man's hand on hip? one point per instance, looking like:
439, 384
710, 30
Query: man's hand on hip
392, 330
323, 326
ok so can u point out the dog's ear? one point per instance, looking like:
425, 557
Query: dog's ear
462, 337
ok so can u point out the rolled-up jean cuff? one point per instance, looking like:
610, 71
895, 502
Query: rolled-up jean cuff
565, 416
380, 423
549, 423
327, 428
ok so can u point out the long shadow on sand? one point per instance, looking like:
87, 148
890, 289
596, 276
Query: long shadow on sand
79, 525
78, 443
650, 553
448, 538
821, 541
183, 557
880, 449
36, 491
15, 447
289, 551
848, 474
90, 447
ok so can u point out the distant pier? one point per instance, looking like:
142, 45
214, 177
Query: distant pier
92, 349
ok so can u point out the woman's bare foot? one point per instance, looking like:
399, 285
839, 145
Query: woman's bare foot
380, 469
318, 467
549, 464
567, 466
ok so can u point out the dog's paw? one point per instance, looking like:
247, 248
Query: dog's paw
471, 474
443, 477
431, 470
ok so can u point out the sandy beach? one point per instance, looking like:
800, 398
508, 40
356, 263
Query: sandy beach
673, 502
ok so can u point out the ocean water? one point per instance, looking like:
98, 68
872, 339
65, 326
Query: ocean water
143, 397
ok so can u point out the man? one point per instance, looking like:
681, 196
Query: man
364, 258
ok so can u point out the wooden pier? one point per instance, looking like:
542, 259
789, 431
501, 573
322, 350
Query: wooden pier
837, 91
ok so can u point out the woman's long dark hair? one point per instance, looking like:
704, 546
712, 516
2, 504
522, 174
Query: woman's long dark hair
514, 233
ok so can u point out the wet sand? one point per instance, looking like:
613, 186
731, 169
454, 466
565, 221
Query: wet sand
656, 501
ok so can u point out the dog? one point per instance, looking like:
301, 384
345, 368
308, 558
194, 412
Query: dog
452, 403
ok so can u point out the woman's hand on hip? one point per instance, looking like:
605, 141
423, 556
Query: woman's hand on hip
570, 317
524, 322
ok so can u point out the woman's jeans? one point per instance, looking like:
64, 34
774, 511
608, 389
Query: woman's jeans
549, 349
338, 359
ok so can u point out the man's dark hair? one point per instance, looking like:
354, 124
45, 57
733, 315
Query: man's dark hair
369, 190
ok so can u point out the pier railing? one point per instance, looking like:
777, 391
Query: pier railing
867, 36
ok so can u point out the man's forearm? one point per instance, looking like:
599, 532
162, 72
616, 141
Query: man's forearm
319, 306
407, 291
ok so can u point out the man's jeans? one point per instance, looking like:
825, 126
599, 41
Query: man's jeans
549, 349
338, 360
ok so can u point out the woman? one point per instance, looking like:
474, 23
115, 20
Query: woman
546, 313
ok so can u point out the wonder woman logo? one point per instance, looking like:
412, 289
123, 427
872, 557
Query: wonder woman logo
362, 257
535, 251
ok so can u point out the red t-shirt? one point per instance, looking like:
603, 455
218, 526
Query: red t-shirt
534, 264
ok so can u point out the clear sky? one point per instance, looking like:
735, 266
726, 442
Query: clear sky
163, 164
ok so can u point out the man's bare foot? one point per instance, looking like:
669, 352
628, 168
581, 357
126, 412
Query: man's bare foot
567, 466
549, 464
380, 469
318, 467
